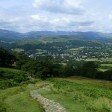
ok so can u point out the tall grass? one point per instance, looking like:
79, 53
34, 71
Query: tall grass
81, 96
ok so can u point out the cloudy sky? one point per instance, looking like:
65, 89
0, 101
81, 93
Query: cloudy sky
56, 15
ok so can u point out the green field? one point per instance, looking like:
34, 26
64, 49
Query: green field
75, 94
105, 67
9, 70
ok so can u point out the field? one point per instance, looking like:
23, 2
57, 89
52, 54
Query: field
75, 94
13, 71
18, 50
105, 67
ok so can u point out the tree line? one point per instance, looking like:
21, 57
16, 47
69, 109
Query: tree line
46, 66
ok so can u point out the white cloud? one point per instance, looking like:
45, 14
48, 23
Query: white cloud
75, 15
110, 17
59, 6
35, 17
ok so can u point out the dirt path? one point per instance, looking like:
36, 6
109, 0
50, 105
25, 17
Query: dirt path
48, 105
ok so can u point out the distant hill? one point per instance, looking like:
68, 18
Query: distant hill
105, 37
8, 36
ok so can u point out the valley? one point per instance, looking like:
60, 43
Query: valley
55, 72
55, 56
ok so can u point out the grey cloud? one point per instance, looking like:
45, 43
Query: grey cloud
86, 23
4, 23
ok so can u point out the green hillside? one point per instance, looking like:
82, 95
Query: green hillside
75, 94
12, 77
17, 99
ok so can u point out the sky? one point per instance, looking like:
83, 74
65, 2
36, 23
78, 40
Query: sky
56, 15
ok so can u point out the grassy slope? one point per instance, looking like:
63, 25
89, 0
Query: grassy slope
17, 99
10, 70
75, 94
22, 103
81, 95
11, 77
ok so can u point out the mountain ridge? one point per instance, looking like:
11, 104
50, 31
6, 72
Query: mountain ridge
12, 35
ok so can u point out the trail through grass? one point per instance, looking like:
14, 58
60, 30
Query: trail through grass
80, 95
75, 94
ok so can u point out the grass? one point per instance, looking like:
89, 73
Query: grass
17, 99
29, 41
105, 67
76, 94
12, 77
12, 71
80, 94
22, 103
108, 65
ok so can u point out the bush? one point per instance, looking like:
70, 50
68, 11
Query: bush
11, 77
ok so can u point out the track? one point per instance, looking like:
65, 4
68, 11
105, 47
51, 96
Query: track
48, 105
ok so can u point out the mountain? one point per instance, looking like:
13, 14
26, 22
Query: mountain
9, 36
105, 37
6, 35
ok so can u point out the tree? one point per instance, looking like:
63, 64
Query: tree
45, 68
6, 58
89, 69
21, 59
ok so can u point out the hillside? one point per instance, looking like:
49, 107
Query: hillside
75, 94
55, 56
45, 72
6, 35
9, 36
